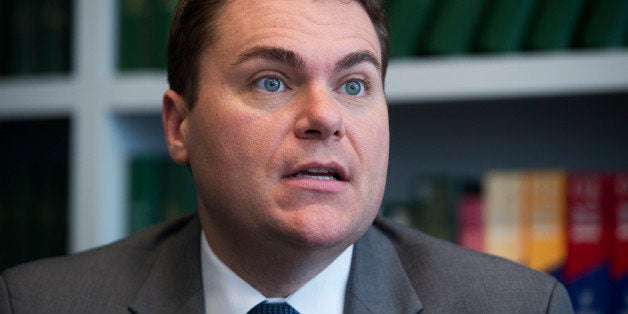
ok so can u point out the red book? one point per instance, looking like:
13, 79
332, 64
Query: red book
619, 260
470, 226
589, 232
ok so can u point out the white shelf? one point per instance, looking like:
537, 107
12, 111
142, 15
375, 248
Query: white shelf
481, 77
96, 98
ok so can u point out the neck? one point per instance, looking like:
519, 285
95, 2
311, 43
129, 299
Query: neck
277, 274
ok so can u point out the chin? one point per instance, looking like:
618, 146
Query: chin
321, 230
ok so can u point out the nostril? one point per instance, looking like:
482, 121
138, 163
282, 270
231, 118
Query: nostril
312, 132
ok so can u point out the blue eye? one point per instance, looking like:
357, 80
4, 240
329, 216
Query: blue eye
270, 84
353, 87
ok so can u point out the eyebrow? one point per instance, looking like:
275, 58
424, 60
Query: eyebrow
356, 58
293, 60
280, 55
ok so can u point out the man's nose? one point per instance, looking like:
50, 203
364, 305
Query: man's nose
320, 116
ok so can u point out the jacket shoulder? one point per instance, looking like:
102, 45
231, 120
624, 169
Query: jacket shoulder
101, 278
447, 276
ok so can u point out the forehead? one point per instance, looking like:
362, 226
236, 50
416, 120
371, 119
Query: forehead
311, 27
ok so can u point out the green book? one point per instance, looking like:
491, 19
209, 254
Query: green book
23, 37
51, 208
179, 195
145, 192
503, 25
7, 171
5, 27
54, 19
401, 212
22, 239
434, 201
554, 24
452, 27
604, 24
407, 20
135, 35
163, 10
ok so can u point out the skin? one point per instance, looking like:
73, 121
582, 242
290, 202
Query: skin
245, 143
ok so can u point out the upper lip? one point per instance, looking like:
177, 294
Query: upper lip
334, 168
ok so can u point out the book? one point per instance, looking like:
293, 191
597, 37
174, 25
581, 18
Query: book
504, 223
470, 222
553, 24
54, 24
159, 190
5, 26
50, 214
407, 20
433, 201
604, 24
136, 44
546, 207
145, 192
400, 212
503, 25
589, 233
452, 26
163, 10
178, 191
619, 250
23, 37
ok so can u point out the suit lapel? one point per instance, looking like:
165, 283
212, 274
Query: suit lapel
378, 282
174, 284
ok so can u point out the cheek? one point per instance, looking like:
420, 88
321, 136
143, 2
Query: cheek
232, 146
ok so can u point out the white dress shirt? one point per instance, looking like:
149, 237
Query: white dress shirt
226, 292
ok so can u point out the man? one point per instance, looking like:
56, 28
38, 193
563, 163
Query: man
278, 108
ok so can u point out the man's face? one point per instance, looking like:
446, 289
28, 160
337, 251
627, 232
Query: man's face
289, 138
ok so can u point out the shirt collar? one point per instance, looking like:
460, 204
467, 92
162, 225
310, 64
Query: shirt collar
226, 292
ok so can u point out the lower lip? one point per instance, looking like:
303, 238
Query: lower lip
316, 185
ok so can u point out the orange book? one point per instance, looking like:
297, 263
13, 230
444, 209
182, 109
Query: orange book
545, 208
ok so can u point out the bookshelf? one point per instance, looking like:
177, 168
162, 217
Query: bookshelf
114, 116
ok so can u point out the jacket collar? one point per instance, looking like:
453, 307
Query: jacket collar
378, 282
174, 284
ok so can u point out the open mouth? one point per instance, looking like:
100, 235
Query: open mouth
318, 174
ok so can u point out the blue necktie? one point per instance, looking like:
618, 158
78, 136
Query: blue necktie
273, 308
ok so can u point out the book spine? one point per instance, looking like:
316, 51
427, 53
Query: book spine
178, 194
407, 20
470, 222
54, 44
604, 24
589, 226
619, 261
135, 37
5, 37
399, 212
547, 204
452, 28
163, 15
433, 205
23, 38
503, 25
504, 223
146, 196
554, 24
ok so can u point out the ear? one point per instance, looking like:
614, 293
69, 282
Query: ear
175, 120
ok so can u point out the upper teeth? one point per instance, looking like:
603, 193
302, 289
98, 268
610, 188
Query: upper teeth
317, 173
318, 170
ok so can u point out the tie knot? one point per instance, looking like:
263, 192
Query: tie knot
273, 308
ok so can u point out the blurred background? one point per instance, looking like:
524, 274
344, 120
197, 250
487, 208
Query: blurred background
509, 130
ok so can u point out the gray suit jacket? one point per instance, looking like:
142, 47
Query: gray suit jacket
394, 270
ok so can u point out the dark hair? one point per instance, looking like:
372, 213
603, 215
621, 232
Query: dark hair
193, 29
